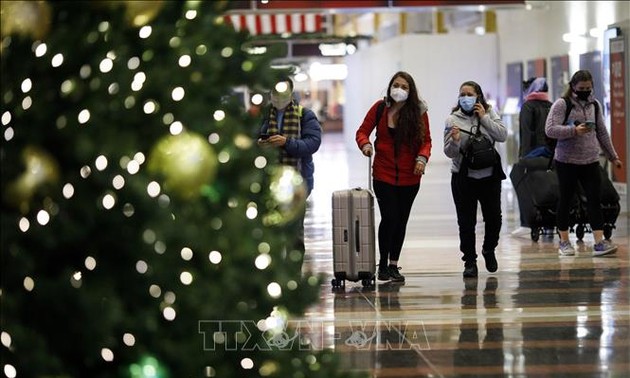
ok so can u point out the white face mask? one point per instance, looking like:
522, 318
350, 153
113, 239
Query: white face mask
398, 94
280, 101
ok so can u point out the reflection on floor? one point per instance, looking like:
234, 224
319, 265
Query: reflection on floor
539, 315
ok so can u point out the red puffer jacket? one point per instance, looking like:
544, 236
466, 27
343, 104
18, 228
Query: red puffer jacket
394, 170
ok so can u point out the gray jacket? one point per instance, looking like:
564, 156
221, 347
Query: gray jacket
491, 125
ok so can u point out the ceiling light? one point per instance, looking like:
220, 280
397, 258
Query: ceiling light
332, 49
319, 71
300, 77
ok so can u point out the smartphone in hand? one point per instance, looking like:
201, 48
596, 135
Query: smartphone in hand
264, 136
476, 108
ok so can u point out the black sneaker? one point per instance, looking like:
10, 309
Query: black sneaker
491, 261
394, 273
470, 269
383, 273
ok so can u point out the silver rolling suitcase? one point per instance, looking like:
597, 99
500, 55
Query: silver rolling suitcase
354, 243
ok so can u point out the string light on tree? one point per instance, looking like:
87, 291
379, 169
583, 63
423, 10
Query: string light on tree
147, 367
141, 12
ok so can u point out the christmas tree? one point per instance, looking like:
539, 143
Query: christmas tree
142, 227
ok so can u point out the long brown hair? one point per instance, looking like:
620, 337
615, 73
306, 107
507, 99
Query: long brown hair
581, 75
409, 126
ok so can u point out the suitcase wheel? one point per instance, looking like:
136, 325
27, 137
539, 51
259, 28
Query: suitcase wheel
368, 282
608, 231
535, 233
579, 231
337, 282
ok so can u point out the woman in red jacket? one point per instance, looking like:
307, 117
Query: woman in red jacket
403, 148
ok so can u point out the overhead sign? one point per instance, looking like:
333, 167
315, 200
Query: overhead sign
364, 4
295, 23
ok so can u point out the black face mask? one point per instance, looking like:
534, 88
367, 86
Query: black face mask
583, 95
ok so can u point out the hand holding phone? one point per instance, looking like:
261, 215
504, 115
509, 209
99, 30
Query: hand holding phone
581, 128
479, 109
264, 136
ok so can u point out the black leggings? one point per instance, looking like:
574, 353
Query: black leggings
466, 193
394, 202
589, 177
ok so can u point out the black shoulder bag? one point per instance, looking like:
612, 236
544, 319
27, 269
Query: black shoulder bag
479, 152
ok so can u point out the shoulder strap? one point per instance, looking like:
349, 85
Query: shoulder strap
379, 112
476, 133
300, 114
569, 106
466, 132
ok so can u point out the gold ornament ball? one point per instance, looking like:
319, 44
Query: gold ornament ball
40, 169
186, 162
140, 13
27, 18
287, 196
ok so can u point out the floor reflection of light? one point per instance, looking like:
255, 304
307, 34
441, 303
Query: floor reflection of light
581, 332
329, 336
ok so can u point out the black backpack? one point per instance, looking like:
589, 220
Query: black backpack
479, 152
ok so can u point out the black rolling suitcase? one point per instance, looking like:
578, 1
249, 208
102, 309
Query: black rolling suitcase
609, 202
354, 241
537, 191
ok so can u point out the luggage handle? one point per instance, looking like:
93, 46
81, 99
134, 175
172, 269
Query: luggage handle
356, 235
369, 173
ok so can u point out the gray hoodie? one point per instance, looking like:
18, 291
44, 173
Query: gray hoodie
573, 148
491, 125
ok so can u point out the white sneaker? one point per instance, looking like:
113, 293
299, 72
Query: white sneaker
604, 247
522, 232
565, 248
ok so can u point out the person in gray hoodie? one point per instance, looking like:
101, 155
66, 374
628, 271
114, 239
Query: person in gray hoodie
580, 136
471, 186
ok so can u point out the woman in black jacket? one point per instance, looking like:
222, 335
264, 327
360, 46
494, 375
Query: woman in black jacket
533, 141
532, 118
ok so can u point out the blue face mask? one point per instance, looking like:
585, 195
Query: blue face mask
467, 102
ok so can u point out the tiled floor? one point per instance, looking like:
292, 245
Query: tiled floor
540, 315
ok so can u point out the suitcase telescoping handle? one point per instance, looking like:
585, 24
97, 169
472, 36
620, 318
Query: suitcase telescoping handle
370, 174
357, 233
356, 236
